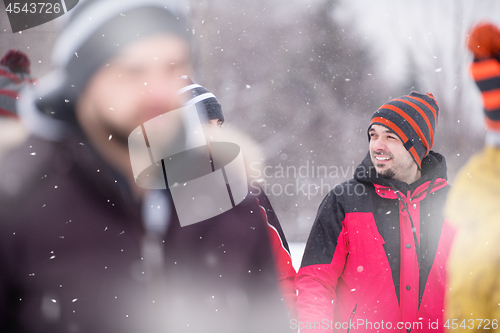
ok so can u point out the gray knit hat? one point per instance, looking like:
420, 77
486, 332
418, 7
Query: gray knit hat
96, 31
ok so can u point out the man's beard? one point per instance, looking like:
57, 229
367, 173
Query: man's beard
389, 174
120, 136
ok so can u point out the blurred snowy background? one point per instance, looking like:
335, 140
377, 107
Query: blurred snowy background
302, 78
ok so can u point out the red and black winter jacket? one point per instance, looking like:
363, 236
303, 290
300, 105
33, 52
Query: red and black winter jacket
281, 252
361, 270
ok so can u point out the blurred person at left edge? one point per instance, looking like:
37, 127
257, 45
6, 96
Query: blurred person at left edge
82, 247
15, 74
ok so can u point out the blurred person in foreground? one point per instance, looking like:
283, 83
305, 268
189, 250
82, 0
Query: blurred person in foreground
214, 132
82, 247
375, 258
473, 204
15, 74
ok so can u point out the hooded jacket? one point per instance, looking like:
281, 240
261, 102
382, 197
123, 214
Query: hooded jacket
75, 255
362, 270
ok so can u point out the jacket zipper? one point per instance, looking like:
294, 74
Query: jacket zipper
421, 193
351, 317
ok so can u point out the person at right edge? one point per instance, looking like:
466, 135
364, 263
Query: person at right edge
473, 299
375, 258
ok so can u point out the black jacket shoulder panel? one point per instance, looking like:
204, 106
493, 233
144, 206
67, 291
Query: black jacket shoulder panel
325, 231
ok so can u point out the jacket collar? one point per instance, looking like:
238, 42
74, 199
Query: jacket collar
98, 175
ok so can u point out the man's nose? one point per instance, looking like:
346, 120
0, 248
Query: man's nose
378, 144
163, 90
158, 86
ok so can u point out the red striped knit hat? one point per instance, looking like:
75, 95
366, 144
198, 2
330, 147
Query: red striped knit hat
14, 75
484, 42
413, 118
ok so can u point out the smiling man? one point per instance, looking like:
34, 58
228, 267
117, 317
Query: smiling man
389, 156
375, 259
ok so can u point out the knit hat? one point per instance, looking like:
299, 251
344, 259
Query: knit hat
484, 42
96, 31
413, 118
14, 75
206, 102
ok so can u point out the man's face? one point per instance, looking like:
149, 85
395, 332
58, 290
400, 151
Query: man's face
389, 156
138, 84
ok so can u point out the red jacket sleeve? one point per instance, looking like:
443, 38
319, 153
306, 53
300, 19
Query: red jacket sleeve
283, 262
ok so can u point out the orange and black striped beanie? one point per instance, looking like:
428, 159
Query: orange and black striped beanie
413, 118
484, 42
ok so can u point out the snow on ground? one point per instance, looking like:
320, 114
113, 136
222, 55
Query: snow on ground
297, 250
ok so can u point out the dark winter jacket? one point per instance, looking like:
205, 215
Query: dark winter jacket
361, 270
75, 255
